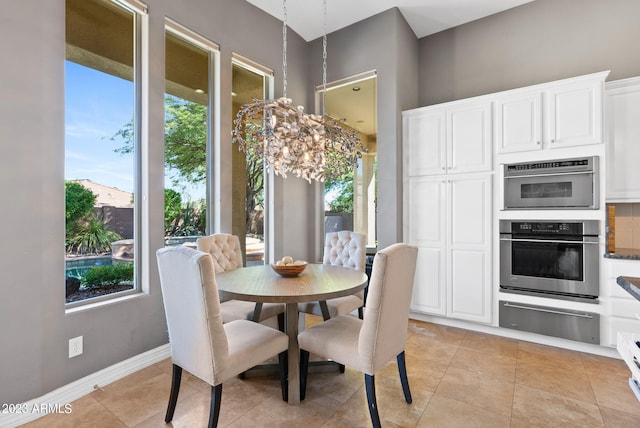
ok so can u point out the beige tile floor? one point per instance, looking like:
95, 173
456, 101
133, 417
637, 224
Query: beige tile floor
458, 378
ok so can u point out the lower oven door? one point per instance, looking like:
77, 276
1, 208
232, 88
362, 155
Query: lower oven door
550, 266
567, 324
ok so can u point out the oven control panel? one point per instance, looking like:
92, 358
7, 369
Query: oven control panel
555, 228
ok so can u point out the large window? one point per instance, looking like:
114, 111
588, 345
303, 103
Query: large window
101, 149
188, 71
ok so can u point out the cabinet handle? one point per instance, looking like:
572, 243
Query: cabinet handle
550, 311
554, 141
550, 241
538, 142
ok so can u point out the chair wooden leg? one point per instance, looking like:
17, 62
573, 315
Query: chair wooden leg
324, 308
214, 409
304, 368
175, 389
283, 362
402, 369
257, 311
361, 312
281, 322
369, 381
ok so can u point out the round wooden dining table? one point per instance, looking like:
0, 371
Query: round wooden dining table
318, 282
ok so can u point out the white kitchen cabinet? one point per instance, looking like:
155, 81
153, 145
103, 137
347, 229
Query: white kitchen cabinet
518, 121
449, 220
449, 138
575, 111
426, 228
424, 136
623, 309
559, 114
622, 137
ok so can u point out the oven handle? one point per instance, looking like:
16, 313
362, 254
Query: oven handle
509, 305
553, 241
553, 174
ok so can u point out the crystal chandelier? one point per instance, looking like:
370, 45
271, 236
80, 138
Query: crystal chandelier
291, 141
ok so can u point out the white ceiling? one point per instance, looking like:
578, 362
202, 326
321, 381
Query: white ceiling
425, 17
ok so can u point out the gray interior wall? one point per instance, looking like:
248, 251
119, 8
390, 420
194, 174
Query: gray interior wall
537, 42
34, 329
386, 44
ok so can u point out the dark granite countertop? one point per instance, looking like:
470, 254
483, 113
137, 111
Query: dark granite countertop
630, 284
624, 254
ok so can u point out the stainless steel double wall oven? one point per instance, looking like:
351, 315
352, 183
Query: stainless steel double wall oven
551, 258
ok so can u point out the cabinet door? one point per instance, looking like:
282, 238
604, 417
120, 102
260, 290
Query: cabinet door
469, 143
469, 249
427, 231
429, 295
426, 199
518, 122
575, 113
424, 135
623, 141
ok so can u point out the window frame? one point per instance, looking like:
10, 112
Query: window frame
269, 176
140, 153
213, 116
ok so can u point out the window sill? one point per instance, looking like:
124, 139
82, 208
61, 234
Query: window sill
106, 301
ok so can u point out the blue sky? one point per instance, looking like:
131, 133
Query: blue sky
97, 105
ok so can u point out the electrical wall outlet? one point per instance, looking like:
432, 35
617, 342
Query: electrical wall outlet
75, 346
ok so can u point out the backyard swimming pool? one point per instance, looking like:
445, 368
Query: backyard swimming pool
77, 268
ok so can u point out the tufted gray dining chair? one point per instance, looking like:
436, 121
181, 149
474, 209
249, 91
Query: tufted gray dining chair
200, 343
347, 249
368, 345
226, 253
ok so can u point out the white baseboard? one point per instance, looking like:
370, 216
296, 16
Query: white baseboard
56, 400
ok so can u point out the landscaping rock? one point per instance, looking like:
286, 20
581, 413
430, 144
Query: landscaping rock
72, 285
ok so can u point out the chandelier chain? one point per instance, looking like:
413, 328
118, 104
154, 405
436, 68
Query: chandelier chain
324, 56
284, 50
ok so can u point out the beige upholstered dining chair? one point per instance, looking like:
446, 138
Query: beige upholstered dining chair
227, 255
200, 342
348, 249
368, 345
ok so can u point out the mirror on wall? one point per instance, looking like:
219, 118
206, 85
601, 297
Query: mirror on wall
350, 201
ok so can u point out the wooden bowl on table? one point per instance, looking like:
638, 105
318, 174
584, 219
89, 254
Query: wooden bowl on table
290, 269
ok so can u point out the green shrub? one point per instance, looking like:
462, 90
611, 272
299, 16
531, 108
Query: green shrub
91, 238
79, 202
188, 219
172, 210
100, 276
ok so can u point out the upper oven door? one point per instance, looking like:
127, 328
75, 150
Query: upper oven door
551, 191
